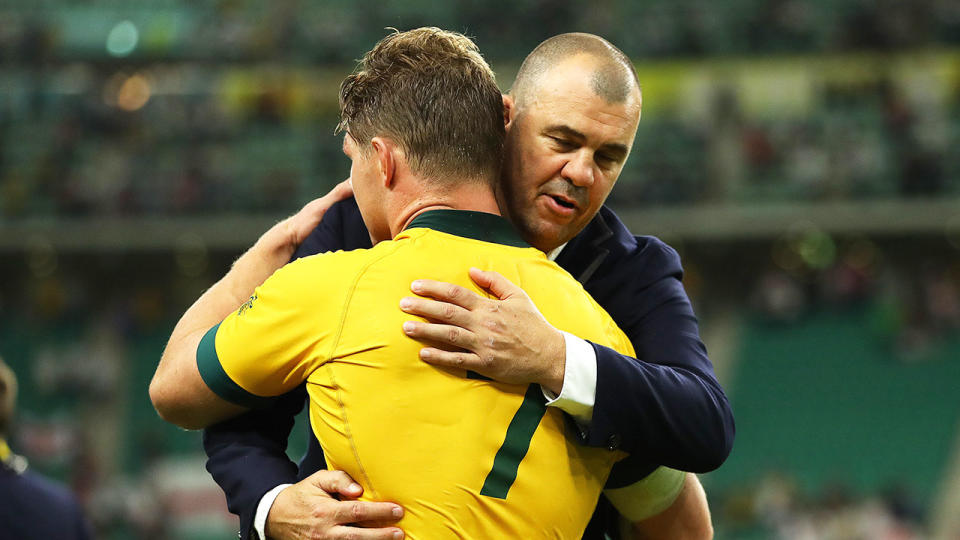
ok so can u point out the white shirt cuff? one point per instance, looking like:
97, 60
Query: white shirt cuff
579, 391
263, 510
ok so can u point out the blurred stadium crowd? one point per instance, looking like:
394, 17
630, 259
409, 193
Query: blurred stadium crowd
177, 108
837, 348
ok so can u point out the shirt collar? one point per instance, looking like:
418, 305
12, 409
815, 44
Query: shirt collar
553, 253
468, 224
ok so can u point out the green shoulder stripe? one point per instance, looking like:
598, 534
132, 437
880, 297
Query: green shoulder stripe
212, 373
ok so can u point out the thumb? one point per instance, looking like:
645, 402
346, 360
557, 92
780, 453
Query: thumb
341, 191
335, 483
500, 286
303, 222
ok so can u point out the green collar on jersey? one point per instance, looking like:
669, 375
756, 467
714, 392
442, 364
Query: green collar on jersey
476, 225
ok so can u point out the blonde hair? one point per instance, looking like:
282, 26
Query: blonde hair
431, 92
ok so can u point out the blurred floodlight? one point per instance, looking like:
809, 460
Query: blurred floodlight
816, 248
134, 93
122, 39
804, 246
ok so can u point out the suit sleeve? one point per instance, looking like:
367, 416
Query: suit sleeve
667, 407
247, 455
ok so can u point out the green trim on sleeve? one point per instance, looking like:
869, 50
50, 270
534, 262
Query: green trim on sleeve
217, 380
649, 496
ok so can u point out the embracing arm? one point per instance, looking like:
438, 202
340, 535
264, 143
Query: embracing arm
668, 407
247, 459
177, 390
688, 518
247, 454
664, 504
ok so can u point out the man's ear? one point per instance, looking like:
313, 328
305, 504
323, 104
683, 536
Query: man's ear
509, 110
386, 159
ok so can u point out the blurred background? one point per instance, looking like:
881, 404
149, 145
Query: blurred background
797, 153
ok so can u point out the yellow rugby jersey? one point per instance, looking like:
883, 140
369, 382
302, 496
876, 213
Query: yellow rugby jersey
465, 456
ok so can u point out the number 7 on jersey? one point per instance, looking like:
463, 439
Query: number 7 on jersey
515, 444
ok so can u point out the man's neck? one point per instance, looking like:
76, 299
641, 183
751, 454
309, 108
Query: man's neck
476, 197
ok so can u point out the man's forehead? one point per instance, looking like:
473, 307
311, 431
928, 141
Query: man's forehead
614, 81
584, 115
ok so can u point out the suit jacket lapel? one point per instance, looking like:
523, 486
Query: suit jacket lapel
585, 253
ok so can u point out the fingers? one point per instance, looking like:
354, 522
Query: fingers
356, 533
462, 360
336, 482
301, 224
444, 334
372, 512
340, 191
339, 482
492, 281
446, 292
436, 311
319, 206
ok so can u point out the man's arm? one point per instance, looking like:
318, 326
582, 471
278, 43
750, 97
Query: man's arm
667, 408
247, 454
688, 518
329, 517
177, 389
664, 505
247, 457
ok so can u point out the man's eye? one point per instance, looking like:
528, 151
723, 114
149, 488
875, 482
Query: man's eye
563, 143
606, 160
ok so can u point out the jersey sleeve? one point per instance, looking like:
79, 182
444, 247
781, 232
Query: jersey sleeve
275, 340
649, 496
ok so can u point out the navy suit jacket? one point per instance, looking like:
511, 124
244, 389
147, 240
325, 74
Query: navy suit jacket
33, 507
666, 409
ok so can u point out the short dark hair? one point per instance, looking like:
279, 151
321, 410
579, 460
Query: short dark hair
8, 397
613, 78
430, 91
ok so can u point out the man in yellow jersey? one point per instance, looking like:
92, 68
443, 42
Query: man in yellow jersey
478, 459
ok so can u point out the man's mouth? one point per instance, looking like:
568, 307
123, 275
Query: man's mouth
564, 202
560, 207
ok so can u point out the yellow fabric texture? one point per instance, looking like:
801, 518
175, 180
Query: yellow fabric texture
421, 436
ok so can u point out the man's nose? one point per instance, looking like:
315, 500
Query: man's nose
579, 170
